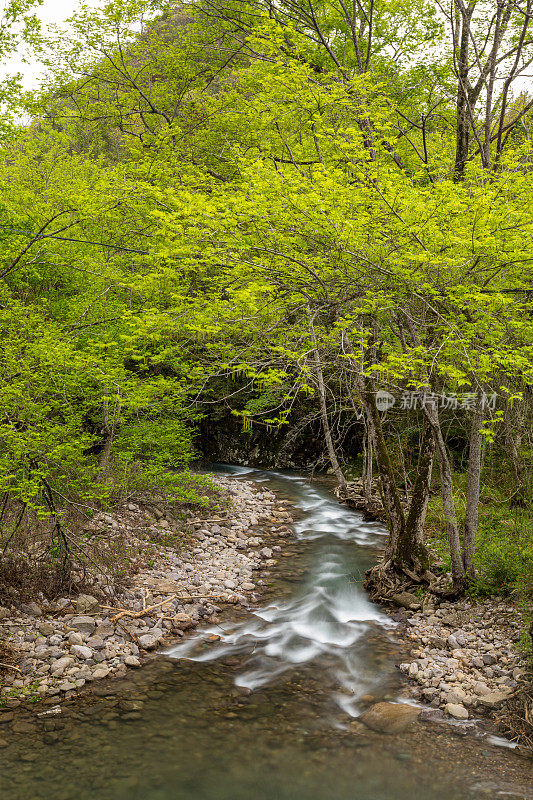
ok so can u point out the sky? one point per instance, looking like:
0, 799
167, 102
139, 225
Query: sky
51, 11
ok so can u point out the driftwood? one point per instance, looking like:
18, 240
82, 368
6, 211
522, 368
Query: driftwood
124, 612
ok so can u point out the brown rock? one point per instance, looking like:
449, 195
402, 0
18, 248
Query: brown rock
390, 717
407, 600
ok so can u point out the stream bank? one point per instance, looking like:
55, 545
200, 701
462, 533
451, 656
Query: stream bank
58, 649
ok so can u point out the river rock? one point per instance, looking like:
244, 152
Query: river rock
148, 641
81, 652
46, 629
83, 624
60, 665
457, 696
183, 620
456, 711
407, 600
100, 672
86, 603
494, 699
390, 717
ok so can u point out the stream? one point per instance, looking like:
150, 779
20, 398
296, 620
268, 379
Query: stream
265, 706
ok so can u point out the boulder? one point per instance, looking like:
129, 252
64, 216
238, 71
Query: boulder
390, 717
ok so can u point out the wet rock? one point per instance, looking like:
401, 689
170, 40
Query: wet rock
132, 661
22, 726
524, 752
390, 717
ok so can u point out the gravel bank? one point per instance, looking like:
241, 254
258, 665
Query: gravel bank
463, 656
60, 647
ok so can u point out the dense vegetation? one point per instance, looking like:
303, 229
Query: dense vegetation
268, 205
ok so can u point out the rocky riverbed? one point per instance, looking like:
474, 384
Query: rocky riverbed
463, 656
59, 647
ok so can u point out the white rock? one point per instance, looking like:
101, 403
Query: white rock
81, 651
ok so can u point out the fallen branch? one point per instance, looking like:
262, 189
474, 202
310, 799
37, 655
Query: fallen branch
128, 632
123, 612
9, 666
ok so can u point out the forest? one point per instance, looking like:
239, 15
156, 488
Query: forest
313, 216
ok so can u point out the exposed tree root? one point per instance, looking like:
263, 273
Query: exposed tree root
387, 579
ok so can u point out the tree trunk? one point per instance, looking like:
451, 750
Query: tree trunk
463, 120
513, 438
341, 480
411, 545
389, 491
472, 492
458, 572
368, 456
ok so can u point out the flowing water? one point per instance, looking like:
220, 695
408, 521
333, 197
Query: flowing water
326, 624
264, 707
